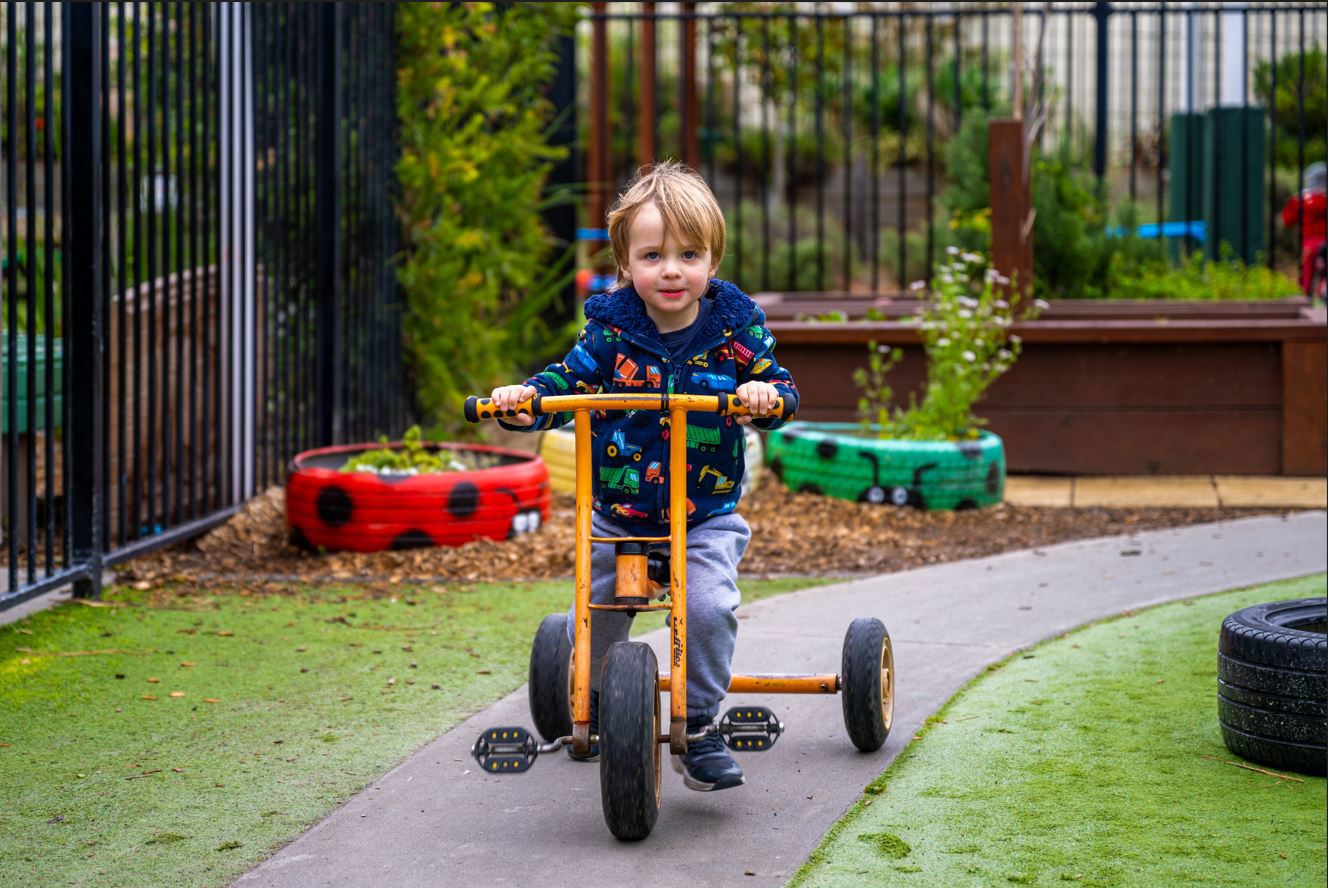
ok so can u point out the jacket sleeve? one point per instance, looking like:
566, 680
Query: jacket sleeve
763, 367
580, 372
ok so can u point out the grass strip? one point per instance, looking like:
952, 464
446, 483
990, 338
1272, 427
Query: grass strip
179, 736
1093, 759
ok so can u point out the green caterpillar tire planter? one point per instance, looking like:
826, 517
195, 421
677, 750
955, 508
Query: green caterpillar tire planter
841, 461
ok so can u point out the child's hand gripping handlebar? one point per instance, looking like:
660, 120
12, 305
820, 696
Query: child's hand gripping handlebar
478, 408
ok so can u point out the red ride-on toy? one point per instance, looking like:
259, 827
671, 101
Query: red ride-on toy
631, 729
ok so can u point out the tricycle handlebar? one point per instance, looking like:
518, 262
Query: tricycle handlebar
478, 408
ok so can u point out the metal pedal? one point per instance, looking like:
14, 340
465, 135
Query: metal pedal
505, 750
750, 728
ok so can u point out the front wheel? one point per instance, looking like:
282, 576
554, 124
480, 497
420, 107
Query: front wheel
629, 728
868, 675
550, 688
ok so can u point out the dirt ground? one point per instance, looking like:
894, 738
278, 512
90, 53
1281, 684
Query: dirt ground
792, 534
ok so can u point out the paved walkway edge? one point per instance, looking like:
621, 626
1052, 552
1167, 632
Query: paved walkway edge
436, 820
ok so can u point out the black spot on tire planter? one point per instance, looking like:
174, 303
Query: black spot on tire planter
366, 512
334, 506
463, 500
839, 460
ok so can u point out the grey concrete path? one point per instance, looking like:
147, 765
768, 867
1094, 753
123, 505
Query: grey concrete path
437, 820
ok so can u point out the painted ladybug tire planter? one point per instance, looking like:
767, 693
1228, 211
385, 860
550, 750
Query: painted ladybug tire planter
368, 511
838, 460
557, 448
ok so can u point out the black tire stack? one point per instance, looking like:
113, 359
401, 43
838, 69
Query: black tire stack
1272, 684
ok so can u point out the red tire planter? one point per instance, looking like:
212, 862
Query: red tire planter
367, 512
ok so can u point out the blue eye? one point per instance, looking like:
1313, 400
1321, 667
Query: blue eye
689, 254
652, 255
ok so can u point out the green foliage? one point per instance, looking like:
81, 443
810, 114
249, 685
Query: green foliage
478, 269
1286, 104
1198, 278
964, 323
411, 457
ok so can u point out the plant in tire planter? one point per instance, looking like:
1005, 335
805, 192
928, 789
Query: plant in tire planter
932, 454
410, 494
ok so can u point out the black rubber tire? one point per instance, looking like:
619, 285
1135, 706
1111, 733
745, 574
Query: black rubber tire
1302, 757
868, 677
1272, 702
629, 729
550, 689
1271, 680
1306, 729
1267, 634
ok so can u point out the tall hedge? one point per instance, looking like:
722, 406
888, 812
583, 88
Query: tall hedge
474, 124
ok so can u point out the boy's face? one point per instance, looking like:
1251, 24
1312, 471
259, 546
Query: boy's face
669, 276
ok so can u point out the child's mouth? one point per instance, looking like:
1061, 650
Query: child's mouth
671, 294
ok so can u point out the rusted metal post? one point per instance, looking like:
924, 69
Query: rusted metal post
1011, 203
597, 160
690, 134
645, 134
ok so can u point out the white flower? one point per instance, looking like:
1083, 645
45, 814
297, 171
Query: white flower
1005, 354
972, 257
942, 342
917, 285
1002, 280
952, 250
1015, 339
1002, 304
965, 313
977, 343
968, 302
970, 357
1042, 304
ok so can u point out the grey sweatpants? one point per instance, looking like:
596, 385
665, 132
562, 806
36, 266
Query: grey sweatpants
714, 548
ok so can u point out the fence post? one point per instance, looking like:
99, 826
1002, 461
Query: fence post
561, 219
1102, 16
82, 25
1011, 205
327, 231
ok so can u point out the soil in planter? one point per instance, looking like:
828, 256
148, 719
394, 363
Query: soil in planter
793, 534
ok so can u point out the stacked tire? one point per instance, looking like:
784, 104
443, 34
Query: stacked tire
1272, 684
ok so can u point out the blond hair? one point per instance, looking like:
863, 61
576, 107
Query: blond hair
685, 203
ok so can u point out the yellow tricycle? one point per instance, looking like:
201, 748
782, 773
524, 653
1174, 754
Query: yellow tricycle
631, 730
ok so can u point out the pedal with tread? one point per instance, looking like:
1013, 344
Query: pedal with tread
750, 728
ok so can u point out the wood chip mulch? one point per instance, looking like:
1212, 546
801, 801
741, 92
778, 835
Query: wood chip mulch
793, 534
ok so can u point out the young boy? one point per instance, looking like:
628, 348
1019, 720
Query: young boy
668, 326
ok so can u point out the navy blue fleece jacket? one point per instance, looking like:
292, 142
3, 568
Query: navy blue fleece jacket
619, 350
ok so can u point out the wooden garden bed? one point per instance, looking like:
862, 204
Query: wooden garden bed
1175, 388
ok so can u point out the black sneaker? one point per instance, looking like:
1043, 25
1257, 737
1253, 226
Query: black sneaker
593, 754
708, 766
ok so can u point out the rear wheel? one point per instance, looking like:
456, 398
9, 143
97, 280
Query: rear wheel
868, 675
550, 688
629, 728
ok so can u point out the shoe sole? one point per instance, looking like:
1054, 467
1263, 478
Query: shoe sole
692, 783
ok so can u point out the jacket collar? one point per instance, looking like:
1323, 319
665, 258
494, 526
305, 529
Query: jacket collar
624, 309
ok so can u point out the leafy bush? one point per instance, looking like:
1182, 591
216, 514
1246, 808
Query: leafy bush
410, 458
964, 323
1287, 104
474, 126
1198, 278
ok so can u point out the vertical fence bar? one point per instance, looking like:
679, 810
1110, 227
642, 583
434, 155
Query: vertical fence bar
150, 470
767, 88
328, 228
1102, 21
1215, 232
710, 125
181, 270
901, 123
846, 125
1244, 131
958, 70
875, 229
645, 146
83, 256
11, 298
740, 167
687, 116
167, 232
986, 70
48, 168
104, 442
820, 151
196, 264
1300, 154
29, 528
1161, 115
1272, 140
1134, 103
121, 279
931, 149
791, 149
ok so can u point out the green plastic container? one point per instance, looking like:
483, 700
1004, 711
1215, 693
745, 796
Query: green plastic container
840, 460
31, 417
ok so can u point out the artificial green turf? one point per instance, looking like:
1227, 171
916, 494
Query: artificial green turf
1086, 761
319, 691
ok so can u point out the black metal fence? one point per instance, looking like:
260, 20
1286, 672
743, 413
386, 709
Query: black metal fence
827, 129
197, 206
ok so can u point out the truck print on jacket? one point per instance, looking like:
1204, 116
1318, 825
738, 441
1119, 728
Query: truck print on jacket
619, 350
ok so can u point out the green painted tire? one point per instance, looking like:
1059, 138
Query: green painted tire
839, 460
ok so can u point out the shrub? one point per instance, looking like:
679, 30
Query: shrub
474, 159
